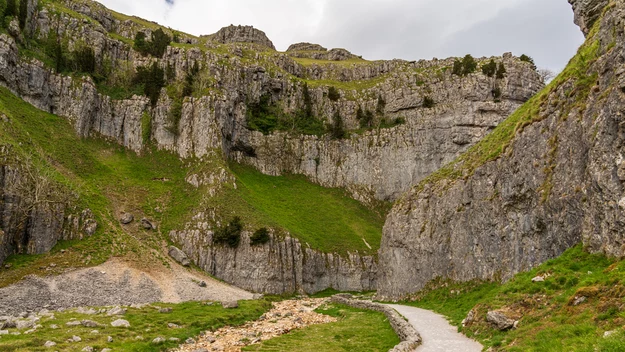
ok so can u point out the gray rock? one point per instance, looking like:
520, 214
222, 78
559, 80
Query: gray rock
579, 300
126, 218
49, 344
116, 311
587, 12
165, 310
173, 326
4, 332
202, 284
74, 339
499, 320
179, 256
189, 341
89, 324
120, 323
158, 340
173, 339
87, 349
107, 350
73, 323
24, 324
147, 224
230, 304
109, 339
242, 34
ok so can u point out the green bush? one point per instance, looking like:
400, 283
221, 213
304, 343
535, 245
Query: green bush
156, 47
528, 59
501, 71
22, 16
146, 127
189, 80
261, 236
229, 234
262, 116
336, 129
490, 68
465, 67
152, 79
84, 60
333, 94
364, 117
428, 102
496, 93
11, 9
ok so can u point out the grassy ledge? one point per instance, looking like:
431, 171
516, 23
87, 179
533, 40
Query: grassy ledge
548, 318
355, 330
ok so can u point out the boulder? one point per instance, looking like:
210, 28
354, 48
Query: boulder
500, 320
49, 344
147, 224
126, 218
179, 256
120, 323
116, 311
230, 304
89, 324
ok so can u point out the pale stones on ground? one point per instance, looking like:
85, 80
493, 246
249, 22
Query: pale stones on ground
538, 279
500, 320
24, 324
158, 340
189, 341
87, 349
120, 323
49, 344
469, 319
230, 304
89, 324
179, 256
73, 323
579, 300
116, 311
173, 339
165, 310
126, 218
87, 311
107, 350
109, 339
4, 332
74, 339
173, 326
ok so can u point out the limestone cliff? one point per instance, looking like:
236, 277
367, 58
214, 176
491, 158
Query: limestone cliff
549, 177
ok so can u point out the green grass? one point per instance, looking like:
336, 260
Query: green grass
549, 321
355, 330
193, 318
326, 219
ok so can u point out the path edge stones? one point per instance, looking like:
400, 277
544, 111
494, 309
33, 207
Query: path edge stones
410, 338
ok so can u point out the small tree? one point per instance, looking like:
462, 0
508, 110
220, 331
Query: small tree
469, 65
23, 14
457, 70
261, 236
337, 130
160, 42
333, 94
141, 45
490, 68
528, 59
11, 9
189, 80
229, 234
501, 71
153, 80
84, 59
546, 75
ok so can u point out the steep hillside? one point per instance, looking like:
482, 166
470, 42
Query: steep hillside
547, 178
181, 108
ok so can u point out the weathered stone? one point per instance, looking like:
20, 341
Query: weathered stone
587, 12
242, 34
74, 339
173, 326
87, 349
73, 323
147, 224
165, 310
126, 218
116, 311
49, 344
89, 323
499, 320
120, 323
230, 304
179, 256
158, 340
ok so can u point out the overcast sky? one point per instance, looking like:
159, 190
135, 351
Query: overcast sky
385, 29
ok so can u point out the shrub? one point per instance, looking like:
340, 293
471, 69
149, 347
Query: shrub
333, 94
490, 68
153, 80
174, 116
11, 9
337, 130
22, 16
156, 47
501, 71
457, 70
428, 102
261, 236
469, 65
528, 59
229, 234
496, 93
261, 116
189, 80
84, 59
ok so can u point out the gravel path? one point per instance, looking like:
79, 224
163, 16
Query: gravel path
437, 334
115, 282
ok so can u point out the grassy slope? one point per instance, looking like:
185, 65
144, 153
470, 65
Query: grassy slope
192, 317
326, 219
356, 330
549, 321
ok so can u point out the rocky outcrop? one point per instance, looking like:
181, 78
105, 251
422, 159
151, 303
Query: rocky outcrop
305, 47
559, 182
242, 34
35, 212
587, 12
283, 265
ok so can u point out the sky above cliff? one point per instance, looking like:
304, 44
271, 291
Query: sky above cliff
385, 29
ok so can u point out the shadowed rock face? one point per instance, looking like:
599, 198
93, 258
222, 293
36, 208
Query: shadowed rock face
587, 12
242, 34
560, 182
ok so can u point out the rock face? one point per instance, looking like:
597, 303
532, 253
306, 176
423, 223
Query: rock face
280, 266
31, 223
587, 12
558, 183
242, 34
305, 47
